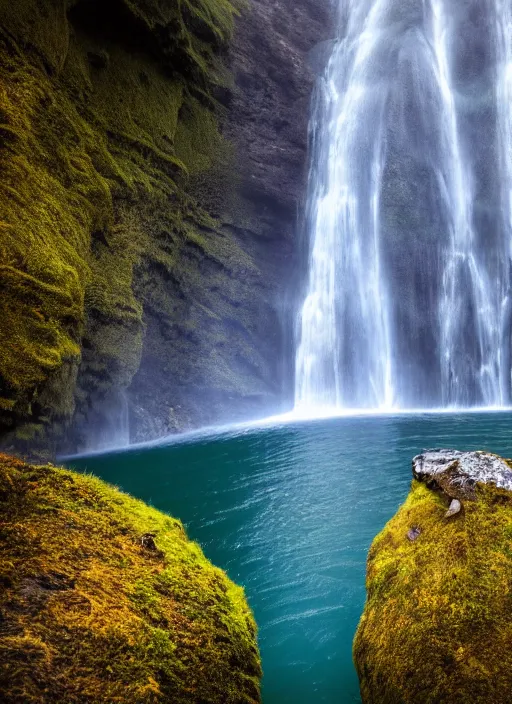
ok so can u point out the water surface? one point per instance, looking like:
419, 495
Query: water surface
289, 511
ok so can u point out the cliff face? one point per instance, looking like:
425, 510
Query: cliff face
436, 625
152, 171
104, 599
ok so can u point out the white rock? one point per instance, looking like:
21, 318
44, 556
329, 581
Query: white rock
467, 468
455, 508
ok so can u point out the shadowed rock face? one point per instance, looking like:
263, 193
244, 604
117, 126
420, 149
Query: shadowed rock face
190, 377
456, 473
269, 112
154, 168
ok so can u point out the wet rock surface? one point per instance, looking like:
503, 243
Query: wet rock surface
269, 112
197, 371
152, 237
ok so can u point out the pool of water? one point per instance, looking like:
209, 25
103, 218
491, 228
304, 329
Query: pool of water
289, 511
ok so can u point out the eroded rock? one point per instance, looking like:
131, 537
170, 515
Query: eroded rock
152, 235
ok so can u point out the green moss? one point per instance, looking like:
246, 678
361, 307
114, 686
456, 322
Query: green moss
105, 599
89, 146
436, 626
44, 242
198, 142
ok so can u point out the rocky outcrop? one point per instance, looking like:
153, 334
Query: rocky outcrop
153, 168
104, 599
457, 473
269, 112
234, 363
436, 625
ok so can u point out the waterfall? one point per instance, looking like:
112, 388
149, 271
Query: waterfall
408, 300
504, 103
465, 277
345, 335
111, 429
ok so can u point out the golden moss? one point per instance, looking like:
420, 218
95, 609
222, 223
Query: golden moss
104, 599
93, 130
437, 626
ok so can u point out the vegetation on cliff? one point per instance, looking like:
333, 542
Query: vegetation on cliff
437, 625
110, 152
104, 599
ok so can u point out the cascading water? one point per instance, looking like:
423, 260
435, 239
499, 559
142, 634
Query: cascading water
504, 103
344, 353
462, 276
410, 210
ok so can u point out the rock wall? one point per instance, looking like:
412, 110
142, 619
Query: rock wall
153, 167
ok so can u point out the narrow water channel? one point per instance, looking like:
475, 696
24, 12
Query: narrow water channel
289, 511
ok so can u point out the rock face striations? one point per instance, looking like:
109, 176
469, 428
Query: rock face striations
104, 599
436, 625
153, 164
243, 368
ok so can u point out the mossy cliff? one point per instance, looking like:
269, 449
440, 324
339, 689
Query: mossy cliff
104, 599
437, 624
122, 240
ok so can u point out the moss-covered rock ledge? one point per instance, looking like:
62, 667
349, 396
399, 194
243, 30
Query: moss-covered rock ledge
104, 599
153, 157
437, 625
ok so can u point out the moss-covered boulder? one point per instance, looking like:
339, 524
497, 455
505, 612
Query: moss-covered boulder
104, 599
437, 625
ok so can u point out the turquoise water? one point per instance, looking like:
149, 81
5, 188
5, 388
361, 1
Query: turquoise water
289, 511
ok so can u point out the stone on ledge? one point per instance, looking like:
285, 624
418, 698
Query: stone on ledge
456, 473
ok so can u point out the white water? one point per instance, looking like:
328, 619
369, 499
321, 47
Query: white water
342, 303
504, 105
113, 429
461, 269
410, 211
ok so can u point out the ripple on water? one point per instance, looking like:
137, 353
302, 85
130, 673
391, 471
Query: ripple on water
290, 511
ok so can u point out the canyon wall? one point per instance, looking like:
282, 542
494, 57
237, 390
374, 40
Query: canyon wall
154, 160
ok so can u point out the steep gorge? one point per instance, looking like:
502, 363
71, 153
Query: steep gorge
153, 165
